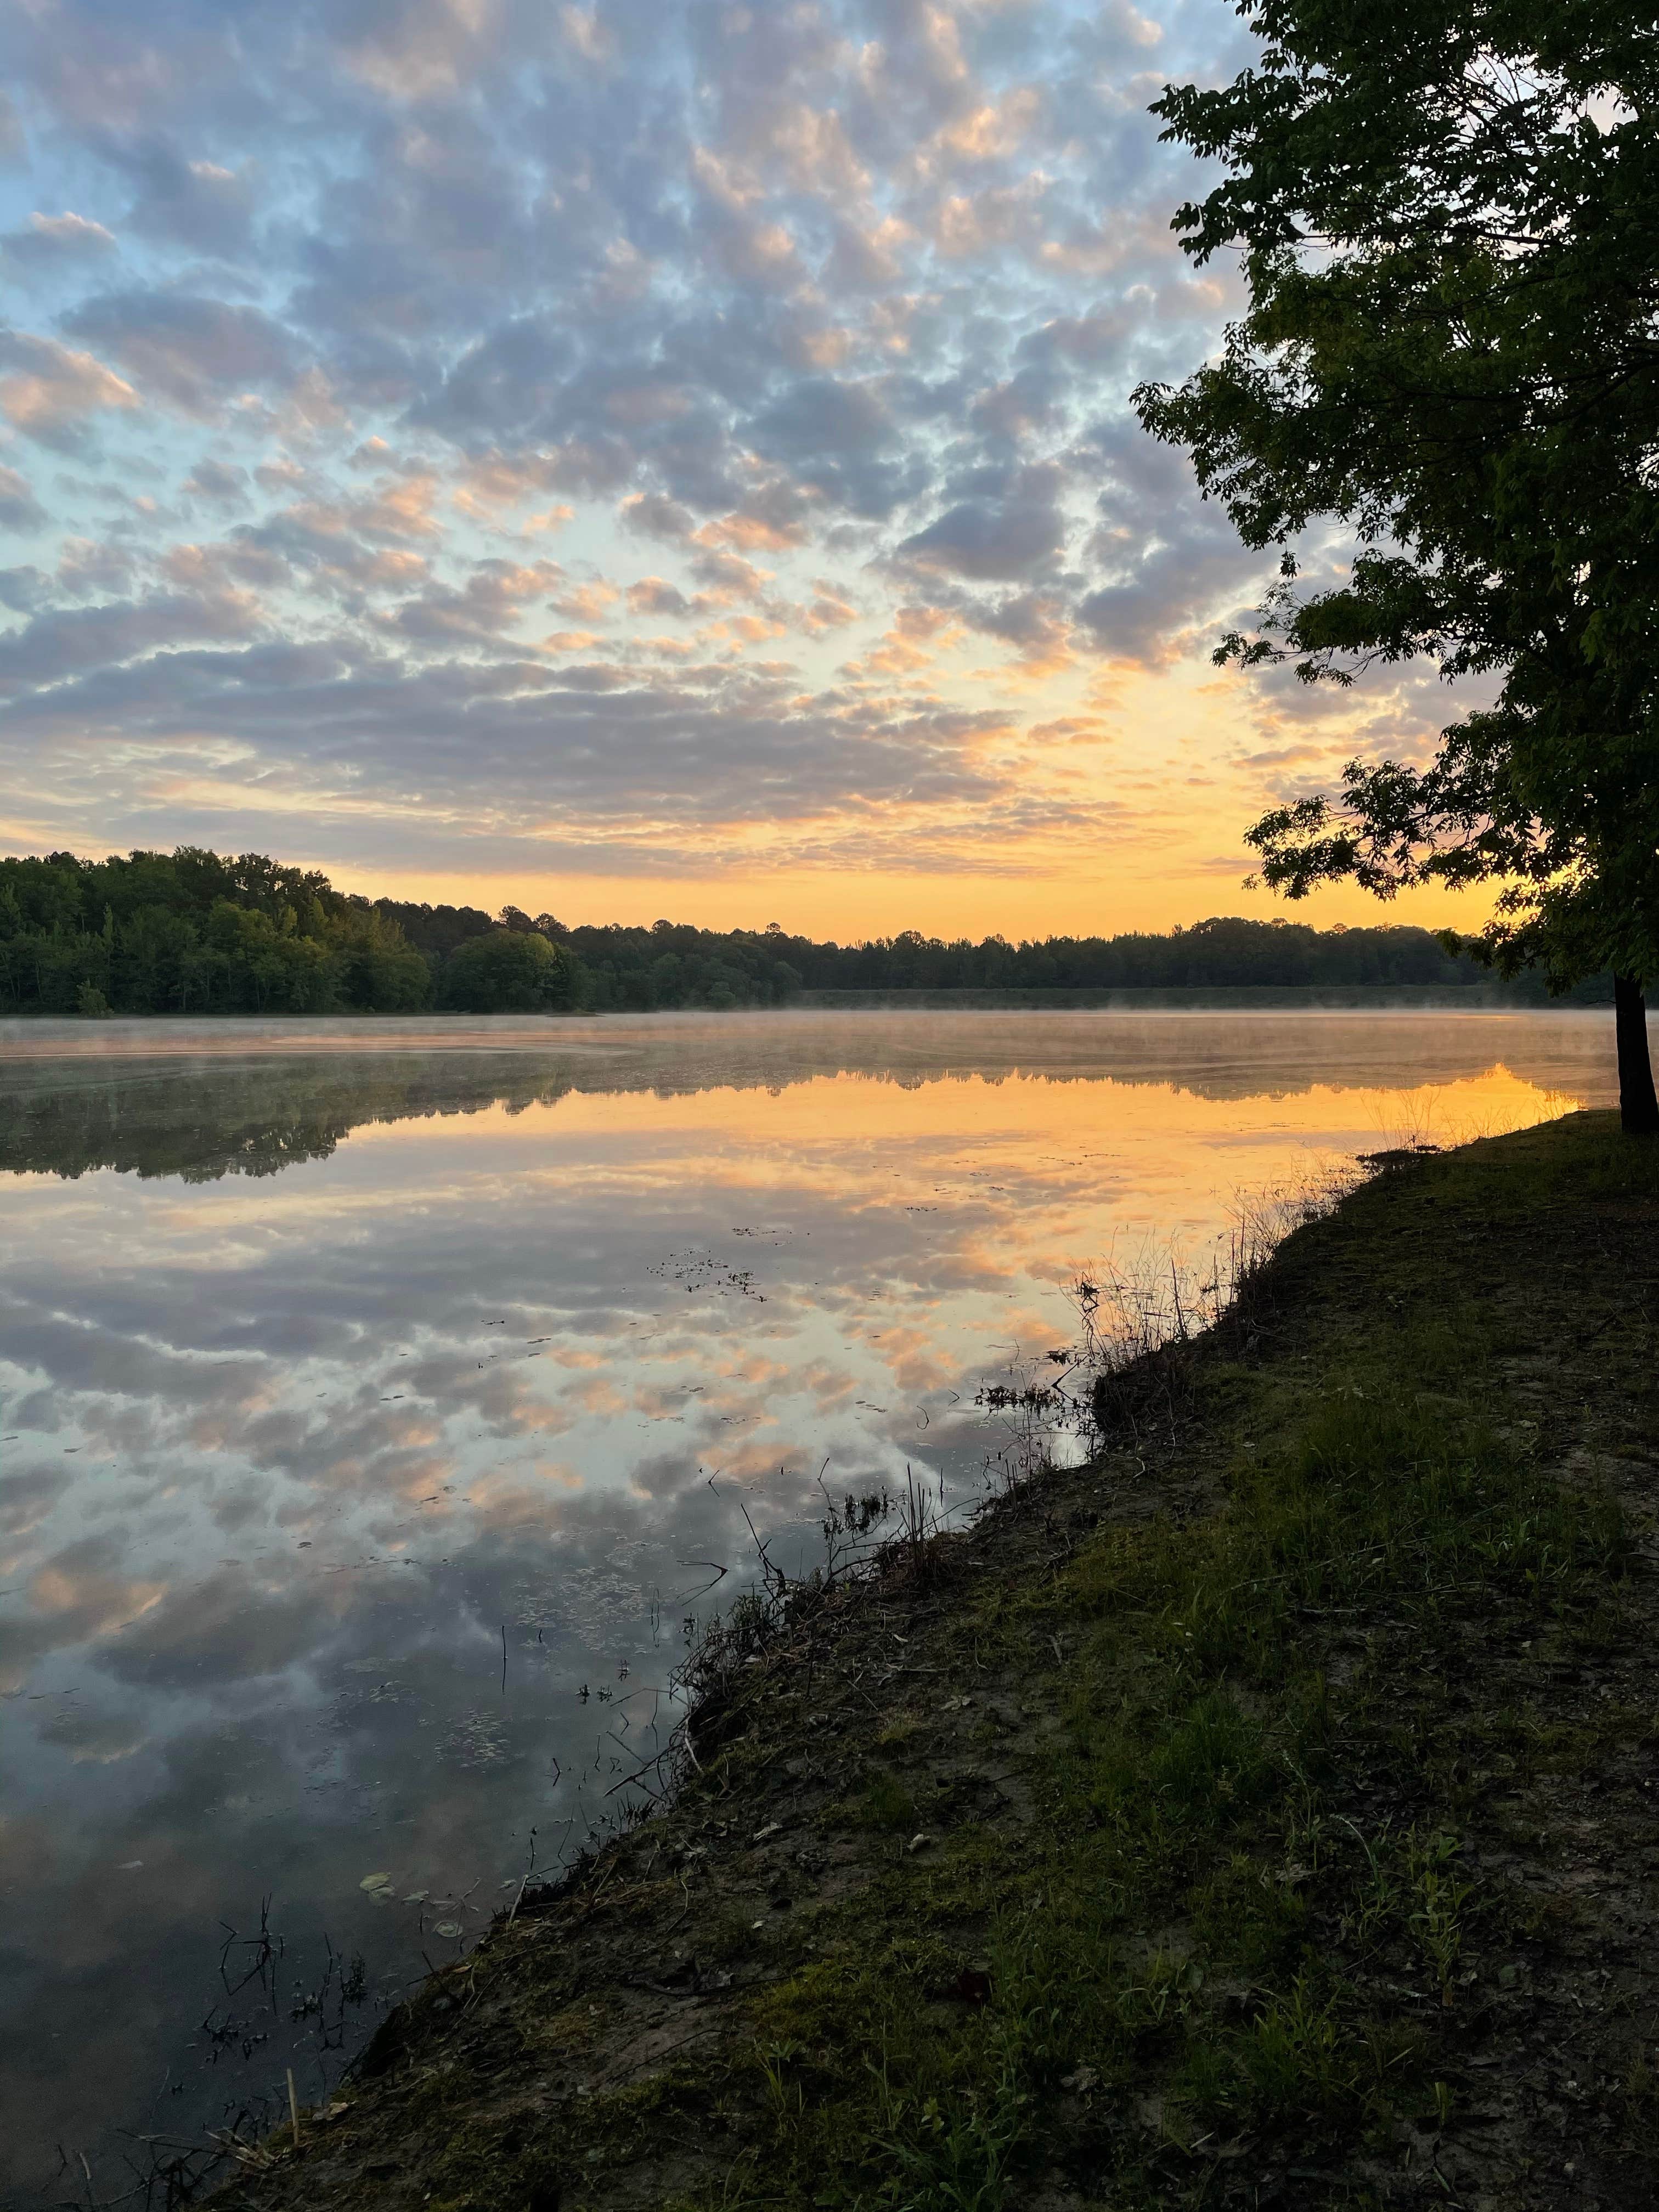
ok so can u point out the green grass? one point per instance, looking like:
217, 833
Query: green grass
889, 1804
1276, 1720
1196, 1914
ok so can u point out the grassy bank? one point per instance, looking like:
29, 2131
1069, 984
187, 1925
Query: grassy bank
1259, 1816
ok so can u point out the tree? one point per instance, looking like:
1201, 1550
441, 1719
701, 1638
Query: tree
1449, 214
379, 970
510, 972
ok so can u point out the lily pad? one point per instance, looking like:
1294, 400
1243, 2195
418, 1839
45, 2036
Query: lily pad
447, 1928
375, 1882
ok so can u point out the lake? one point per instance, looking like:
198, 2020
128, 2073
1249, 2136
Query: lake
380, 1401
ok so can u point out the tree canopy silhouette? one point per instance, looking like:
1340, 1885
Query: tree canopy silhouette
1448, 217
195, 932
510, 971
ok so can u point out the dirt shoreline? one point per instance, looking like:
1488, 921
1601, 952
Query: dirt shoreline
1261, 1815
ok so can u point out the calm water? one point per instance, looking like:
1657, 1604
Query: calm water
378, 1402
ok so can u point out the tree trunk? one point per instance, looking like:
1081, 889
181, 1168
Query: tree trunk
1638, 1107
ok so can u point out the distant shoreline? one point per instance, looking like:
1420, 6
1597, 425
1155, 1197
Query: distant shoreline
1219, 998
246, 934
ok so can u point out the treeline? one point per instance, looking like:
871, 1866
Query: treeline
672, 965
193, 931
199, 933
620, 969
1221, 953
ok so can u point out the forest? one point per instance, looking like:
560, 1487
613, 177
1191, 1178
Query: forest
193, 931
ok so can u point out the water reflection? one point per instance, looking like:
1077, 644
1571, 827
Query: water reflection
377, 1406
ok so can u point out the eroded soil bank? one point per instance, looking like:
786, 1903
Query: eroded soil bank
1263, 1816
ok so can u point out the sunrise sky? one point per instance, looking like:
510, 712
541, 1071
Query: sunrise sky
651, 458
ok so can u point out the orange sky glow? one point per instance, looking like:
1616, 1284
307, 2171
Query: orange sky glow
1128, 793
692, 474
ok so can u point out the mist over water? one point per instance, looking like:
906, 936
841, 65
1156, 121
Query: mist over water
379, 1402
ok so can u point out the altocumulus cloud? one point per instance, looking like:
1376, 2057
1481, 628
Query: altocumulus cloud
619, 433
